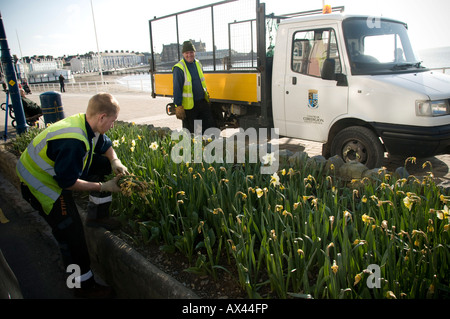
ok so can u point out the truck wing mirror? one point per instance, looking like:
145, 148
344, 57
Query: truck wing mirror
341, 79
328, 68
328, 73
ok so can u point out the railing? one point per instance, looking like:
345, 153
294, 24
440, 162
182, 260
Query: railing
140, 85
96, 86
445, 70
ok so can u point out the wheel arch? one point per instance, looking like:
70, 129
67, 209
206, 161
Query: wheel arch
342, 124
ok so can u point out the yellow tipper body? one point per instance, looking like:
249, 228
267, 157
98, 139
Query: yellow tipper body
242, 87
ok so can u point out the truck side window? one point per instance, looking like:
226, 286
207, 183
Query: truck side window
311, 48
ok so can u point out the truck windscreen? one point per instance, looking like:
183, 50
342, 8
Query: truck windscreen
379, 46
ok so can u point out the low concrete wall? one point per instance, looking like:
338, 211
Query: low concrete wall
122, 267
9, 286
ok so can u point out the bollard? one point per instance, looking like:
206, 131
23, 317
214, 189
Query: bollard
51, 106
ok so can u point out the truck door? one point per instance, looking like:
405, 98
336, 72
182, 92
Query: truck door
311, 102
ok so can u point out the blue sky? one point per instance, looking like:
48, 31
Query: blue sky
58, 27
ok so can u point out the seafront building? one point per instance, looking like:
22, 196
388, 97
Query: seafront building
41, 69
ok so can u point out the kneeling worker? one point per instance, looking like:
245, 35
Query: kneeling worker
74, 154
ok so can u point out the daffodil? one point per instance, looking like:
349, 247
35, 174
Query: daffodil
390, 294
269, 158
357, 279
259, 192
444, 213
272, 234
275, 179
286, 213
366, 219
347, 215
408, 202
115, 143
331, 218
444, 199
243, 196
154, 146
335, 267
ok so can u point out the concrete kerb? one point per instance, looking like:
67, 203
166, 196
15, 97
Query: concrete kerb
122, 267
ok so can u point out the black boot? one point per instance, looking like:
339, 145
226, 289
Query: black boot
90, 289
98, 216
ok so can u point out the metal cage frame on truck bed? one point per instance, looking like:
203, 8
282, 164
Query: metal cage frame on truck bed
235, 74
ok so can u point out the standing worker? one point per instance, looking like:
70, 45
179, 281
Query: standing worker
61, 83
189, 91
74, 154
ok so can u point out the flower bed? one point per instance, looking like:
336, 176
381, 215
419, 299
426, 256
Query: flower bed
303, 232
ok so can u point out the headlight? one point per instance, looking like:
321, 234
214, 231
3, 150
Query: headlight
432, 108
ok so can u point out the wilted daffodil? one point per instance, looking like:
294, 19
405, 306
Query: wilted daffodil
335, 267
130, 184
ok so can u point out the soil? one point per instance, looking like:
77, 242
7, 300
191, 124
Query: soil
226, 285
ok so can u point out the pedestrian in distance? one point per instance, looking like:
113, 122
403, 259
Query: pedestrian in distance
31, 109
75, 154
190, 94
61, 83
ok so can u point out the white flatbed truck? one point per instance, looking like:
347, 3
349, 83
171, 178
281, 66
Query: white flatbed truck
351, 82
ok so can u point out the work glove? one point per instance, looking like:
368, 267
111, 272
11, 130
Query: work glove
118, 167
180, 113
111, 185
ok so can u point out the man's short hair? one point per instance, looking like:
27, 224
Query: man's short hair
103, 103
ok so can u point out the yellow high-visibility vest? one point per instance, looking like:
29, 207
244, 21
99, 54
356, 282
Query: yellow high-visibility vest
188, 95
36, 170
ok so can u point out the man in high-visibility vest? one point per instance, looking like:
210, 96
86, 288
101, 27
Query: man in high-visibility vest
74, 154
190, 95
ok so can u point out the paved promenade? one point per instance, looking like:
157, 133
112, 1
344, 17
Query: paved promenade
139, 107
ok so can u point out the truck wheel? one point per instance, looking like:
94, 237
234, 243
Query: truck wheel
357, 143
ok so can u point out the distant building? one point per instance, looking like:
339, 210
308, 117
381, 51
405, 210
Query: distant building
39, 69
172, 52
110, 61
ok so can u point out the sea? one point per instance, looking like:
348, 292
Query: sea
435, 58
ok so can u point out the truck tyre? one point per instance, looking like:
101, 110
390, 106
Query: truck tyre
357, 143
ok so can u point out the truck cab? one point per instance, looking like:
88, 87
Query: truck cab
355, 84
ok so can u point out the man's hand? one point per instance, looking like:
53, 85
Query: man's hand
111, 185
180, 113
118, 167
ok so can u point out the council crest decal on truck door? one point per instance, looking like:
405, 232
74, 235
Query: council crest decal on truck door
313, 99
